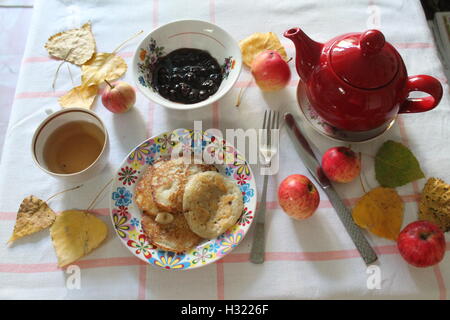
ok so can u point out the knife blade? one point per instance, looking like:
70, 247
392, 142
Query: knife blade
305, 150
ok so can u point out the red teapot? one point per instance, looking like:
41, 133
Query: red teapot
358, 81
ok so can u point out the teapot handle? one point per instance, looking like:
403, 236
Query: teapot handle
424, 83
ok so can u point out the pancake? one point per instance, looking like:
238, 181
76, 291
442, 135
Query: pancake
168, 180
211, 204
175, 236
144, 197
143, 194
159, 193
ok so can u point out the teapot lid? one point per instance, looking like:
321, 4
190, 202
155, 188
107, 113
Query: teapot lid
364, 60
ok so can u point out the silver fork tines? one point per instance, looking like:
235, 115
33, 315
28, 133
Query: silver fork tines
267, 149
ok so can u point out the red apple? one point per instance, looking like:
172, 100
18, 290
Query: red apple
421, 244
270, 71
341, 164
118, 97
298, 196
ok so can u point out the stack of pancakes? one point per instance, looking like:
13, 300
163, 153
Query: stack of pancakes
185, 203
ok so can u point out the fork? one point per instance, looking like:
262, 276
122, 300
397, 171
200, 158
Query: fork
268, 149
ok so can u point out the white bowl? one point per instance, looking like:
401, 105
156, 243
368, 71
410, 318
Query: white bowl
187, 34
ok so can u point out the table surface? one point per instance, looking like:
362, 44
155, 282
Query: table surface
15, 17
310, 259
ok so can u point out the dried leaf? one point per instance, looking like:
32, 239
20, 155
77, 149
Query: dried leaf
381, 212
258, 42
34, 215
81, 97
435, 203
75, 234
396, 165
76, 45
103, 66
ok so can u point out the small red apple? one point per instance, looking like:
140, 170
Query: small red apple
118, 97
421, 244
298, 196
270, 71
341, 164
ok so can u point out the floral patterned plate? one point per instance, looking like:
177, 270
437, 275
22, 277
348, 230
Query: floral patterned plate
126, 216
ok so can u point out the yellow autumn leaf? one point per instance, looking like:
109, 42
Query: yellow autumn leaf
435, 203
258, 42
103, 66
76, 45
75, 234
79, 97
380, 211
34, 215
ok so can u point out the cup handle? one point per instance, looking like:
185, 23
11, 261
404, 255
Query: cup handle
424, 83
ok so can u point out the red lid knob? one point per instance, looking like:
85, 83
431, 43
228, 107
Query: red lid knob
371, 42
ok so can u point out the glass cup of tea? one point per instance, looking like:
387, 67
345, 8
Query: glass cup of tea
71, 144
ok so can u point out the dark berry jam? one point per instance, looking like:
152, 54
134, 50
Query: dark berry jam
187, 76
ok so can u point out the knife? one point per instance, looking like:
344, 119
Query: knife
306, 153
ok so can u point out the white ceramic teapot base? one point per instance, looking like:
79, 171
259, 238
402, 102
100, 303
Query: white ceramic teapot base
326, 129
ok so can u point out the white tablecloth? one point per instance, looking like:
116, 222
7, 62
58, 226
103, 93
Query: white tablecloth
14, 25
314, 258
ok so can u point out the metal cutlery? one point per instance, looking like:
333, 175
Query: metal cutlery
268, 148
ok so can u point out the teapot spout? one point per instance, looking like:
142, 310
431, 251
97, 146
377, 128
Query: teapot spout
307, 51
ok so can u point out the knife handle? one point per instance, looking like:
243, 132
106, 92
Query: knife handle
366, 251
257, 253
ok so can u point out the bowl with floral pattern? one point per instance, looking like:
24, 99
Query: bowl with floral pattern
126, 216
193, 34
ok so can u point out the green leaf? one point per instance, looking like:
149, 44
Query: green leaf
396, 165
